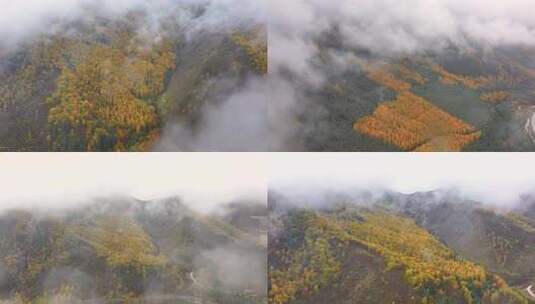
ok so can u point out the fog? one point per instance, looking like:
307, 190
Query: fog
239, 124
203, 181
228, 263
176, 206
383, 25
20, 20
344, 32
244, 109
404, 26
263, 113
493, 179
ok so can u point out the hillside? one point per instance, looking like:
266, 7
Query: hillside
399, 249
122, 250
476, 99
112, 83
500, 239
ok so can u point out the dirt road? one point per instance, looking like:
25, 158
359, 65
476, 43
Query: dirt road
530, 291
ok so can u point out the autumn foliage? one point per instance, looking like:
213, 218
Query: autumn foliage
100, 103
120, 242
412, 123
473, 83
382, 76
410, 75
310, 268
256, 49
429, 267
495, 96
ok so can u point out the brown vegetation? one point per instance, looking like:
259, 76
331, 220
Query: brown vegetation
495, 96
100, 102
473, 83
429, 266
255, 48
412, 123
410, 75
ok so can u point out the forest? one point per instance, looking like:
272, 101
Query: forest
473, 100
387, 249
122, 250
106, 85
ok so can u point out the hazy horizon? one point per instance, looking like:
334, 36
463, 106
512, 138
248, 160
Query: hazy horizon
202, 180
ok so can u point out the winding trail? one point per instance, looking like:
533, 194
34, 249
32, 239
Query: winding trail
195, 281
530, 127
531, 293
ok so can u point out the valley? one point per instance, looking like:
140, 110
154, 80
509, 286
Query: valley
452, 101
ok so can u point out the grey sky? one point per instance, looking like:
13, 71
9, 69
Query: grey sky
50, 180
496, 178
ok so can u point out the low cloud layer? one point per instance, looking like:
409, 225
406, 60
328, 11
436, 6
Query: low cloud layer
24, 19
382, 25
496, 179
101, 218
303, 31
227, 122
56, 181
405, 26
238, 123
227, 264
263, 114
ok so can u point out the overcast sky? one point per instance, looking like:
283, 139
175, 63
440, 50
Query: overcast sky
496, 178
50, 180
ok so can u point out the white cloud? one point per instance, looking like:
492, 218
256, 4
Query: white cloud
384, 27
237, 123
57, 180
496, 178
22, 19
409, 25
